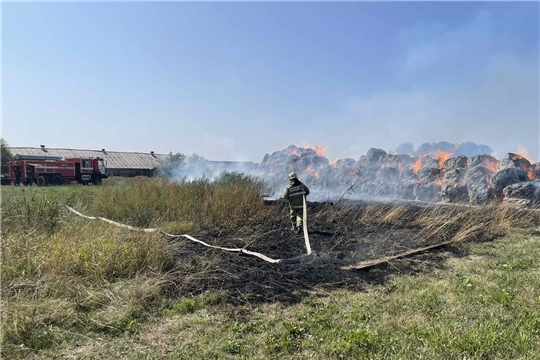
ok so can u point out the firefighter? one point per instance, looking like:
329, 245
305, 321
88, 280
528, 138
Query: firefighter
294, 194
17, 176
29, 175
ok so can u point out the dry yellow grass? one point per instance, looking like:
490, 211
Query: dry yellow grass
80, 288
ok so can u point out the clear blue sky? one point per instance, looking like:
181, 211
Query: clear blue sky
233, 81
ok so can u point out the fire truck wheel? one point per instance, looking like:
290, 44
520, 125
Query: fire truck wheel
57, 180
42, 180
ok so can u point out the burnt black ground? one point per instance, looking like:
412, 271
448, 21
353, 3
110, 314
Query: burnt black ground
337, 239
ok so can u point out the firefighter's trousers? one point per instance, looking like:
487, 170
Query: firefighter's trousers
297, 215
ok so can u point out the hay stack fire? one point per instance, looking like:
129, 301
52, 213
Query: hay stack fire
438, 176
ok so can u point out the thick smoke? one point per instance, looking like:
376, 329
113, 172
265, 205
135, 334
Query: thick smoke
440, 172
211, 170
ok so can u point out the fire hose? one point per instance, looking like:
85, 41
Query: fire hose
308, 257
301, 259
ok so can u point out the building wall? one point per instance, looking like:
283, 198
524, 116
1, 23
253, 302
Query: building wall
129, 172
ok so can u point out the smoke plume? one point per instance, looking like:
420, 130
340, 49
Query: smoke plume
433, 172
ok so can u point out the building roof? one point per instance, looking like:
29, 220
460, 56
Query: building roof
114, 159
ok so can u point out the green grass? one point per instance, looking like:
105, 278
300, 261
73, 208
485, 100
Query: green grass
73, 288
483, 306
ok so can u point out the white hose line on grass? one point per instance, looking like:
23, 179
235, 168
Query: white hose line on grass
306, 236
243, 251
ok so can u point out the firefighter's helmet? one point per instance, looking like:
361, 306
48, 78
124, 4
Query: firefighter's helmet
293, 175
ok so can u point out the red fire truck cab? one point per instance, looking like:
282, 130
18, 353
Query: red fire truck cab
49, 170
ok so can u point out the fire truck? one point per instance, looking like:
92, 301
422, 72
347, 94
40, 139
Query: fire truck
51, 170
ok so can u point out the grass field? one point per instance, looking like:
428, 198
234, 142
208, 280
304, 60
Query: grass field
75, 288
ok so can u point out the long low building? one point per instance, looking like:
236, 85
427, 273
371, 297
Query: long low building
117, 163
128, 164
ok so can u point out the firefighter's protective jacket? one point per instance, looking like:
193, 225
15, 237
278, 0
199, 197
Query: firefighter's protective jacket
294, 194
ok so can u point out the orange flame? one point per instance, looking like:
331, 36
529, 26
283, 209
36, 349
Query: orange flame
530, 173
293, 152
320, 150
439, 182
418, 164
334, 163
518, 156
490, 164
309, 169
442, 156
524, 153
528, 169
317, 175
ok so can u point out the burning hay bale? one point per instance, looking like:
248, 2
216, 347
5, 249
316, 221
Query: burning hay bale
478, 185
373, 155
514, 160
344, 163
361, 162
426, 191
488, 161
436, 177
524, 193
387, 174
405, 190
523, 190
506, 177
429, 162
536, 170
426, 169
395, 167
457, 162
454, 187
429, 174
386, 190
519, 162
432, 177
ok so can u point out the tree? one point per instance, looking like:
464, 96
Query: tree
195, 158
170, 163
432, 148
469, 149
405, 148
6, 155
